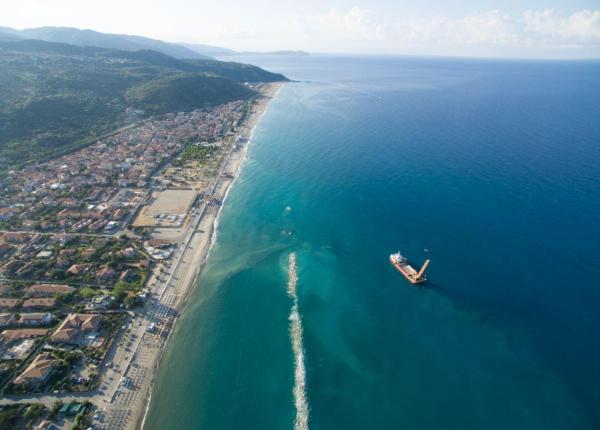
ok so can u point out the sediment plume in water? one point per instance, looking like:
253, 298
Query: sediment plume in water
300, 399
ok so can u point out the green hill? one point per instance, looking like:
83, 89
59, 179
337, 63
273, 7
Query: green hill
8, 35
184, 92
236, 71
57, 97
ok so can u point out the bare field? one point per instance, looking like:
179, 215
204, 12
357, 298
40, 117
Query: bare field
168, 208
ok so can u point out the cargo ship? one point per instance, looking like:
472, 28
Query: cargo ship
401, 264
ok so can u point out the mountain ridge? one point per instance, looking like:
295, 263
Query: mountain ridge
86, 37
57, 97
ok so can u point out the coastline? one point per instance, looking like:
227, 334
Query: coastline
349, 308
202, 240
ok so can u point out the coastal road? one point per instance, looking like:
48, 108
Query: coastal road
49, 399
68, 233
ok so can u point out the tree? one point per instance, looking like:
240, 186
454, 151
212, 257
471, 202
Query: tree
9, 417
58, 274
34, 410
120, 292
55, 408
72, 357
133, 301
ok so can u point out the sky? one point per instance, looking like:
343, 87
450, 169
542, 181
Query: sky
485, 28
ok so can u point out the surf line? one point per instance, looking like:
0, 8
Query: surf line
296, 336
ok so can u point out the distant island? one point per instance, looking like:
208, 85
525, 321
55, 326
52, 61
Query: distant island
284, 52
216, 51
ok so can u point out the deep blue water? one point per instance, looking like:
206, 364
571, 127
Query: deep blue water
492, 166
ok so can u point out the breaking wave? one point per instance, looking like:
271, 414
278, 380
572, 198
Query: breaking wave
300, 398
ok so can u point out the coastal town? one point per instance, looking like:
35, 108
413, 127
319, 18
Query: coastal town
99, 249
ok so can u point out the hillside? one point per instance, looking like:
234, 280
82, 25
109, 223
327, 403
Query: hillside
212, 51
236, 71
56, 97
77, 37
8, 35
184, 92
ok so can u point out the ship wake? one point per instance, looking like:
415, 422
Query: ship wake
300, 398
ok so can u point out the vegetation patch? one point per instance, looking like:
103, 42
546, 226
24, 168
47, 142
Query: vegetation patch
57, 98
183, 92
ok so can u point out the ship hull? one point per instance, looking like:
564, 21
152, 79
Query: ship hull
408, 277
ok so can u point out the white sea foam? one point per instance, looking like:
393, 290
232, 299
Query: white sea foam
300, 398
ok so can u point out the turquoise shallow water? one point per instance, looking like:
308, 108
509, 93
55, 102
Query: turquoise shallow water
493, 166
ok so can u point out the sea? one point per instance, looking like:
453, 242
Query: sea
489, 168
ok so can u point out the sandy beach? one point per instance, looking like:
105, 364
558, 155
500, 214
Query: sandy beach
130, 367
141, 349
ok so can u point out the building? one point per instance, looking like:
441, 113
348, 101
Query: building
88, 253
78, 269
8, 303
48, 290
127, 253
8, 213
6, 320
23, 333
128, 275
106, 274
35, 319
5, 248
47, 425
75, 325
14, 237
38, 303
44, 254
12, 266
37, 372
20, 349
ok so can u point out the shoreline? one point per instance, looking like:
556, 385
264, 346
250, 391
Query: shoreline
200, 256
129, 370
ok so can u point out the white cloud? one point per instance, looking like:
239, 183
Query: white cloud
356, 24
532, 33
582, 26
404, 28
478, 28
489, 27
